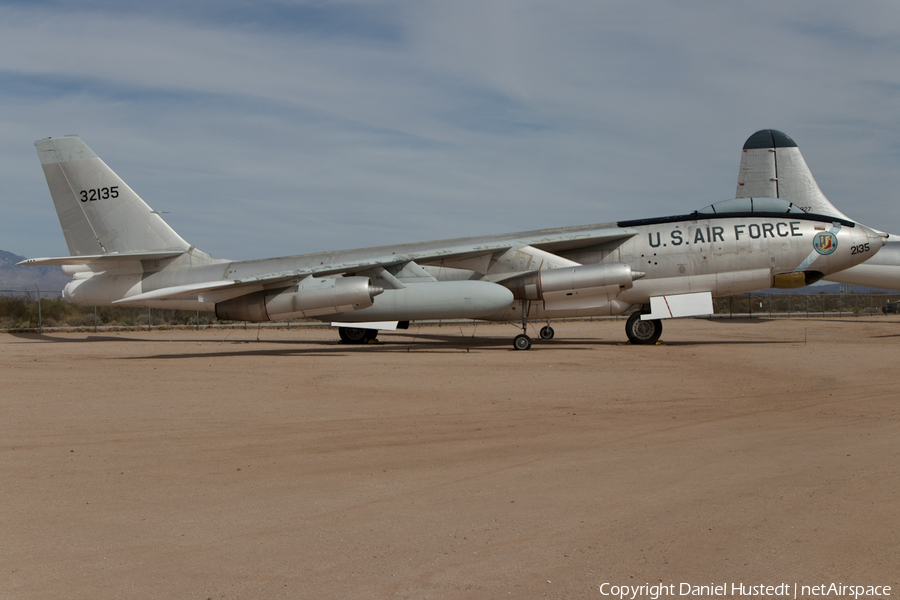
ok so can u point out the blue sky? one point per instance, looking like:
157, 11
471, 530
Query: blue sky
277, 128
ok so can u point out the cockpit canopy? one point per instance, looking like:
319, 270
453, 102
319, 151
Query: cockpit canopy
751, 205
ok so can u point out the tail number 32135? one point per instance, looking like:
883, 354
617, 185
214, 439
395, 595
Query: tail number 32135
99, 194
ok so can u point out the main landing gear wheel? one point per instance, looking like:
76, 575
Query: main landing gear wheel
546, 333
356, 335
522, 342
642, 332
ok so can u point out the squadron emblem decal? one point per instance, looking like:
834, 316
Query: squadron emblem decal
825, 242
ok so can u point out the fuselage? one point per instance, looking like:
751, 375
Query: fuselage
720, 254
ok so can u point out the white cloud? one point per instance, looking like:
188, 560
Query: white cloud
310, 132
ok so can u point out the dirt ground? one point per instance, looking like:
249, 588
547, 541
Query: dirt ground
183, 464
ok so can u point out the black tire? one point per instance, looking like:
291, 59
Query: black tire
371, 334
353, 335
642, 332
522, 342
547, 333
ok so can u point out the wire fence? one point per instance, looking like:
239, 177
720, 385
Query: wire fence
35, 310
805, 305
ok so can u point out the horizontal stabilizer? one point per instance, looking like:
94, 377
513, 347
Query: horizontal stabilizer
679, 305
102, 258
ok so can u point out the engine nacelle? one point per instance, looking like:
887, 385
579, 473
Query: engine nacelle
574, 291
604, 278
311, 297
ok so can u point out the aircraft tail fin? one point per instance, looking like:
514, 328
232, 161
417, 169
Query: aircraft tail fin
772, 167
98, 212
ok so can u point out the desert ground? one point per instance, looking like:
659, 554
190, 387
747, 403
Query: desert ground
441, 463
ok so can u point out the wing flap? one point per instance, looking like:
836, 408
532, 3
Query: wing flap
231, 287
470, 252
177, 292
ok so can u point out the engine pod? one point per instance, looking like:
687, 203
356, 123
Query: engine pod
311, 297
603, 278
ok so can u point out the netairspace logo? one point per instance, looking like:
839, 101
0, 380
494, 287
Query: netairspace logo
782, 590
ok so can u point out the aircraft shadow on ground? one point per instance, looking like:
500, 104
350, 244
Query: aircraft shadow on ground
421, 343
433, 343
45, 338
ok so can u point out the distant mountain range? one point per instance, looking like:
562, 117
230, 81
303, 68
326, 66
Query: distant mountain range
29, 279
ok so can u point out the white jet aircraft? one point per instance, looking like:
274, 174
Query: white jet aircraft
122, 252
772, 165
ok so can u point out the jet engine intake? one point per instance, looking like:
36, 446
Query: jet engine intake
311, 297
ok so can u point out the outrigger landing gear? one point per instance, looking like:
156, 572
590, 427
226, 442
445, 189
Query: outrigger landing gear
522, 341
642, 332
546, 332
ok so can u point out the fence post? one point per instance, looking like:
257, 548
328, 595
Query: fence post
40, 318
95, 319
